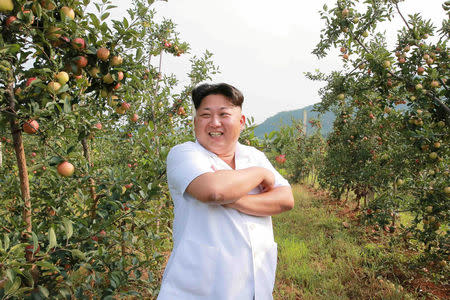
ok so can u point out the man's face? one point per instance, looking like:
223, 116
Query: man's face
218, 124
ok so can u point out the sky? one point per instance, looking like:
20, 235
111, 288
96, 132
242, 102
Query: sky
263, 47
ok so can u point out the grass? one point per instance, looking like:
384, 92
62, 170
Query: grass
319, 258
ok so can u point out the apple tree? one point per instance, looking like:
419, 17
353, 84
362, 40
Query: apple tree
90, 119
399, 94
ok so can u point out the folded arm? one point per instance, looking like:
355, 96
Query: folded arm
227, 186
275, 201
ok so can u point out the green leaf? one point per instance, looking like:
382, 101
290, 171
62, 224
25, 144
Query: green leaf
138, 53
105, 16
78, 254
47, 265
43, 290
55, 160
35, 241
6, 241
68, 227
52, 238
10, 289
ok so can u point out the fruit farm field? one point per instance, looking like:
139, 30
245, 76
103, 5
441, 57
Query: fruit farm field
87, 117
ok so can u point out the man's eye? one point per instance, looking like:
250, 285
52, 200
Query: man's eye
224, 114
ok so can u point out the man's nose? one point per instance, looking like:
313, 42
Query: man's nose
215, 121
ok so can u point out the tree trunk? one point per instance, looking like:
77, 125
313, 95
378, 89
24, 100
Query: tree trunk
91, 180
16, 133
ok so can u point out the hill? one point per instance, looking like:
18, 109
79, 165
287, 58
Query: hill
286, 117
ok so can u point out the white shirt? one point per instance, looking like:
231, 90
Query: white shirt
219, 253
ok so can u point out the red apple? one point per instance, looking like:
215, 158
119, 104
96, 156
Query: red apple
98, 126
420, 70
134, 118
65, 169
181, 111
103, 54
119, 76
33, 154
30, 80
78, 43
81, 61
125, 105
30, 126
10, 20
47, 4
281, 159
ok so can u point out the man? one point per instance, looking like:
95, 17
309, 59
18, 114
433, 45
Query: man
224, 194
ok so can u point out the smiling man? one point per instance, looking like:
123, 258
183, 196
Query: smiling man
224, 194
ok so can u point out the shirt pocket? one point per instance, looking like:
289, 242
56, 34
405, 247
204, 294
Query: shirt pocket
194, 268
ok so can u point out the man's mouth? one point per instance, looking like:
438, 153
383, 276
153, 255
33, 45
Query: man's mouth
216, 133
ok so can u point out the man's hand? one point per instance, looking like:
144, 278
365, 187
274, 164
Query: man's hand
227, 186
268, 182
275, 201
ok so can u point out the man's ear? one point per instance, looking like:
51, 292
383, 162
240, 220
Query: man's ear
242, 121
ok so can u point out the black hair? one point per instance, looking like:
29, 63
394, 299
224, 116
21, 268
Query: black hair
227, 90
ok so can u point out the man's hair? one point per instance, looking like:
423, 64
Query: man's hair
229, 91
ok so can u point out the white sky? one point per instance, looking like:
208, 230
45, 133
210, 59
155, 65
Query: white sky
263, 47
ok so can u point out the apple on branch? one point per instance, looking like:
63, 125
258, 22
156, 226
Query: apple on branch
65, 169
30, 126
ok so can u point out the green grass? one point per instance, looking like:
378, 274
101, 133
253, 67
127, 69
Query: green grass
319, 258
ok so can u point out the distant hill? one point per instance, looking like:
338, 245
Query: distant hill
285, 118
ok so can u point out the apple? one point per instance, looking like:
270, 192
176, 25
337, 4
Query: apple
108, 79
81, 61
400, 182
345, 12
407, 48
10, 20
134, 118
103, 54
420, 70
355, 20
125, 105
53, 33
117, 86
29, 81
78, 43
30, 248
30, 126
120, 110
181, 111
341, 96
281, 158
6, 5
434, 84
386, 63
53, 86
365, 34
65, 169
62, 77
48, 4
343, 49
437, 145
94, 71
98, 126
33, 154
433, 155
67, 12
429, 209
430, 61
129, 186
119, 76
402, 60
345, 56
116, 60
447, 190
419, 86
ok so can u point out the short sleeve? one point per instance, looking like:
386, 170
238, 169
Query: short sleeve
186, 162
265, 163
